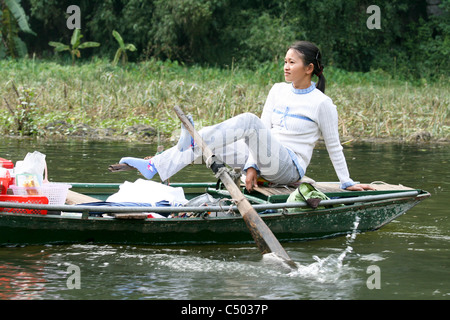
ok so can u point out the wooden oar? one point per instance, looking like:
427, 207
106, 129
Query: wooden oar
263, 236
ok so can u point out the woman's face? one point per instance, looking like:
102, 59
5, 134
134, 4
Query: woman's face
295, 70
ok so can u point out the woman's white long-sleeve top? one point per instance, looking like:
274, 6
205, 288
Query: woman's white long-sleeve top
297, 118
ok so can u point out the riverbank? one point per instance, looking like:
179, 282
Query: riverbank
96, 101
100, 135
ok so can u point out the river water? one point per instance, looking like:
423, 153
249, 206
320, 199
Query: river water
407, 259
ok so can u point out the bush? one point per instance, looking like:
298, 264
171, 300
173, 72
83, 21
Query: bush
410, 43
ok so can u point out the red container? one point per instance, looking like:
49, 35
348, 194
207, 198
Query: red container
4, 185
5, 182
7, 164
24, 199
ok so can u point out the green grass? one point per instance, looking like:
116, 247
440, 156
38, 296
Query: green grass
95, 94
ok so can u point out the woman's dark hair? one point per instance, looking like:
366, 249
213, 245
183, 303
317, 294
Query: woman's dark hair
310, 53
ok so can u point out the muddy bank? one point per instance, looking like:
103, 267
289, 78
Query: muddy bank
62, 130
147, 133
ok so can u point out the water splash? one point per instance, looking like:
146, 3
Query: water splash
331, 268
350, 239
324, 270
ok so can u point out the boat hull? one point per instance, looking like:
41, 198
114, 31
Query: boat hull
27, 229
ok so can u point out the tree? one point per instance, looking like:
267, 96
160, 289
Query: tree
12, 21
75, 45
122, 49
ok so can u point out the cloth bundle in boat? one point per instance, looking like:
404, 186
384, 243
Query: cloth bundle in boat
147, 191
206, 200
306, 192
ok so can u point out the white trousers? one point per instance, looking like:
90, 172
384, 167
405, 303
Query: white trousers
238, 141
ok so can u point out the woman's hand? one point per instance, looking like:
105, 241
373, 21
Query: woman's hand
360, 187
251, 179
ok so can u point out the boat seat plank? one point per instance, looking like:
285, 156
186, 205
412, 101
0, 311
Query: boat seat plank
271, 191
74, 198
326, 187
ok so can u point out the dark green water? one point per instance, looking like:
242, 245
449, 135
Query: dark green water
411, 254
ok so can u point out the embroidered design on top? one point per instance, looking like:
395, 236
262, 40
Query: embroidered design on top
286, 113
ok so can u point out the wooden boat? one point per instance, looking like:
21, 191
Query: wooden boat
73, 222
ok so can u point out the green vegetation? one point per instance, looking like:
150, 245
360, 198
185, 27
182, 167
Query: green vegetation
75, 45
413, 42
390, 82
13, 20
24, 112
122, 51
97, 99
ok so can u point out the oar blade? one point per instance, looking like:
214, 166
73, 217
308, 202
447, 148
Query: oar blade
265, 239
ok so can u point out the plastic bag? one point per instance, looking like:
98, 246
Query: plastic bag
33, 164
202, 200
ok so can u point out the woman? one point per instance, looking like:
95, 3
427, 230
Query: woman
277, 147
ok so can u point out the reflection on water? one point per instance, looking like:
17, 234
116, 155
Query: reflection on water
21, 278
412, 252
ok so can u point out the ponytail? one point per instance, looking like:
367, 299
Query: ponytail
310, 53
321, 82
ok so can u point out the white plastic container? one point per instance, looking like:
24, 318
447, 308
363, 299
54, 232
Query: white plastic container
55, 192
